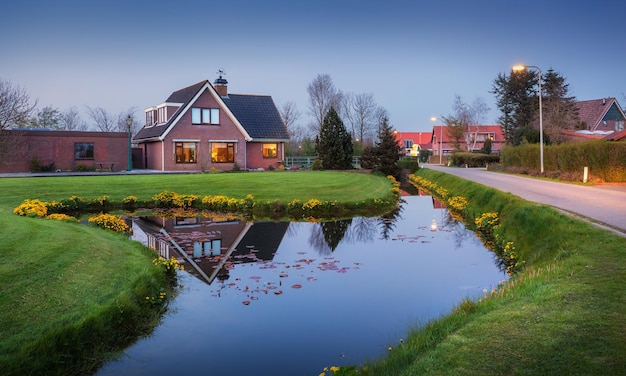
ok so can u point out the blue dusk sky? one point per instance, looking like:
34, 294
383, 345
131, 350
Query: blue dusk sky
412, 56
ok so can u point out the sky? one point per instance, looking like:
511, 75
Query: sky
414, 57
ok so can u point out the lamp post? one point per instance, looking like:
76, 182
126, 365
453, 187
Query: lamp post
129, 124
521, 68
434, 119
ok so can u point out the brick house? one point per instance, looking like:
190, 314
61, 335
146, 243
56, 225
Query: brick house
473, 140
23, 149
412, 142
203, 126
599, 119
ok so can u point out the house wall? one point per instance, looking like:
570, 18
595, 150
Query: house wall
203, 134
256, 159
58, 147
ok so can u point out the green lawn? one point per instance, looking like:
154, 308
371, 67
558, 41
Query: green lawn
345, 187
563, 314
71, 293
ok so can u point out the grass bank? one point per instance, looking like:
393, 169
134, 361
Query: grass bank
72, 294
561, 314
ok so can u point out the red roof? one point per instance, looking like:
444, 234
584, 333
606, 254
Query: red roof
423, 139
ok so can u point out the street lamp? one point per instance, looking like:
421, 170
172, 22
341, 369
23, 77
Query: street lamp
434, 119
129, 124
521, 68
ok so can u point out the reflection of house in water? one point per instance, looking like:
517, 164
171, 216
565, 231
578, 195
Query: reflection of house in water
208, 246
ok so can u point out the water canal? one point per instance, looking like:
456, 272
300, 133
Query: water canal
292, 298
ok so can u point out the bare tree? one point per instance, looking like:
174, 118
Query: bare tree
466, 115
15, 106
290, 115
122, 118
322, 96
297, 133
15, 109
70, 120
361, 112
104, 121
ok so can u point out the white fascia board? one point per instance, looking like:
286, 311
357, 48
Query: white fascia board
169, 104
268, 140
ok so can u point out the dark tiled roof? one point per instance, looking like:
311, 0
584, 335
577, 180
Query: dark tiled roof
186, 94
258, 115
592, 111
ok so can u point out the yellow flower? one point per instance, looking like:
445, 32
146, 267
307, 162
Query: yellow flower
334, 369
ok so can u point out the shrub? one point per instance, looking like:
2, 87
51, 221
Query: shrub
129, 203
164, 199
317, 165
110, 222
32, 208
62, 217
473, 159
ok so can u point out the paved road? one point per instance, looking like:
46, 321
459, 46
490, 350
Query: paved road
603, 204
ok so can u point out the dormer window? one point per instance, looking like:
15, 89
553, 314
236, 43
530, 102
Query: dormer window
149, 118
162, 115
209, 116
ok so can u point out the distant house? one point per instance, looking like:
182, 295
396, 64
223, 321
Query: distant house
412, 142
473, 140
599, 119
24, 150
203, 126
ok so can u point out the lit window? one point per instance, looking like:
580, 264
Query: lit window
269, 150
205, 116
185, 152
222, 152
83, 150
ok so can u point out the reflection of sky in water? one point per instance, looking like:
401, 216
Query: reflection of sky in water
347, 306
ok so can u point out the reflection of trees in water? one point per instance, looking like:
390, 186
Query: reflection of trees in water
460, 233
326, 236
388, 221
362, 230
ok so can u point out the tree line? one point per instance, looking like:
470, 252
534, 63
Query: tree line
18, 110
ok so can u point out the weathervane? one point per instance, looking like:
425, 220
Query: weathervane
221, 72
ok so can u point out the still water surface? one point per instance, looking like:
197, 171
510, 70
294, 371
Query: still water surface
293, 298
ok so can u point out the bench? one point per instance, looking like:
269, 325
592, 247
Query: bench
105, 165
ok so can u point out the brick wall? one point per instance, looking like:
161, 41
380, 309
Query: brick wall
58, 148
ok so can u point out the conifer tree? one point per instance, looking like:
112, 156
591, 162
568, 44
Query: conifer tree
387, 151
333, 144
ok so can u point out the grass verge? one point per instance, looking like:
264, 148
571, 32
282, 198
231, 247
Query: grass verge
72, 294
562, 314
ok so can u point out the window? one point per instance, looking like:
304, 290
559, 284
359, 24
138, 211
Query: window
205, 116
408, 144
162, 115
222, 152
270, 150
207, 248
185, 152
83, 150
149, 118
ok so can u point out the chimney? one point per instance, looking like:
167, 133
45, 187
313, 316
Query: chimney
220, 84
